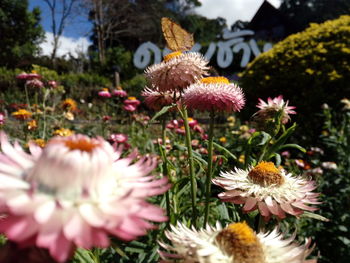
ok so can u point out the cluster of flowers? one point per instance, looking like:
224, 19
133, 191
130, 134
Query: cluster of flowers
130, 104
33, 80
107, 192
180, 79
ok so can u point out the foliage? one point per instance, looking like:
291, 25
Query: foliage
313, 64
80, 85
20, 33
333, 238
204, 29
135, 85
301, 13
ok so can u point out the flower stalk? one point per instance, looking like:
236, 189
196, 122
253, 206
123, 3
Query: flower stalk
210, 168
184, 115
165, 169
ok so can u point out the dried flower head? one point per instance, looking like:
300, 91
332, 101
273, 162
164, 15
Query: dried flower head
269, 110
177, 71
214, 94
268, 189
236, 243
75, 192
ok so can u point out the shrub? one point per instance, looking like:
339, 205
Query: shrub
312, 65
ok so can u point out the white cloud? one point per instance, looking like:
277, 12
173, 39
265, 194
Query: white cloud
232, 10
66, 45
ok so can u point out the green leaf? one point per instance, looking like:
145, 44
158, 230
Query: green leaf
293, 145
277, 158
281, 140
164, 110
83, 256
265, 138
315, 216
199, 158
223, 211
223, 149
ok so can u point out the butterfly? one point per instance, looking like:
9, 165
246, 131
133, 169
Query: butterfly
177, 38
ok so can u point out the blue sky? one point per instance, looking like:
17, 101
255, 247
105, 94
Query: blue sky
77, 26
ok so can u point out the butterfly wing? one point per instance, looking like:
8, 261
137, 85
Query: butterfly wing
177, 38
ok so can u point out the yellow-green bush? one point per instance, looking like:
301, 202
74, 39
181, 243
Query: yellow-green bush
308, 68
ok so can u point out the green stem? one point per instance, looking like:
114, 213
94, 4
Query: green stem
165, 169
191, 166
27, 96
210, 168
261, 158
44, 113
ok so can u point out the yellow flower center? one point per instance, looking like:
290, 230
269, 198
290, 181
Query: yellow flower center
172, 55
70, 104
63, 132
105, 89
81, 144
119, 88
22, 114
214, 80
266, 173
32, 125
223, 139
239, 240
40, 142
131, 98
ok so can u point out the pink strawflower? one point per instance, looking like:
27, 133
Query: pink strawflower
75, 192
130, 108
52, 84
28, 76
132, 101
268, 110
177, 71
181, 130
156, 100
173, 124
198, 128
118, 138
106, 118
119, 93
192, 122
2, 119
104, 93
214, 94
271, 190
35, 83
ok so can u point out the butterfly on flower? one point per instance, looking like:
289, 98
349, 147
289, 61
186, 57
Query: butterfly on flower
177, 38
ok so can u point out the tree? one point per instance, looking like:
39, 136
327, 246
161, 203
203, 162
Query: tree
312, 64
60, 12
20, 33
303, 12
128, 23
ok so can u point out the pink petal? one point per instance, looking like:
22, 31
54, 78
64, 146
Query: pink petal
289, 209
99, 237
249, 204
272, 205
78, 230
44, 212
264, 211
61, 249
303, 206
92, 215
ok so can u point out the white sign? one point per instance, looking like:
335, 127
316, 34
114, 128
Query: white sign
233, 42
